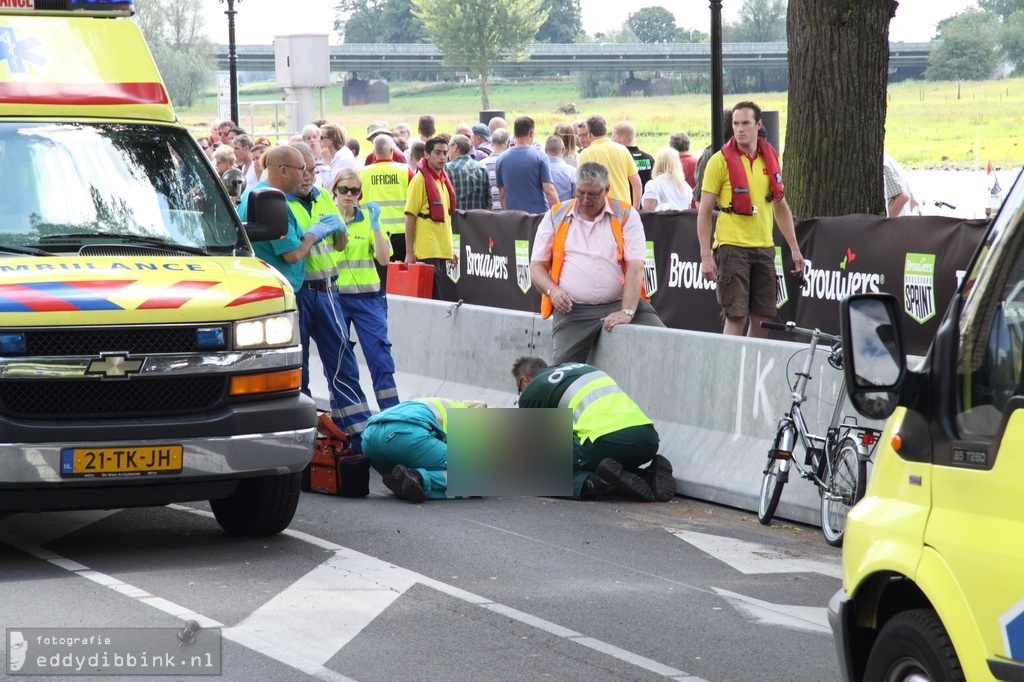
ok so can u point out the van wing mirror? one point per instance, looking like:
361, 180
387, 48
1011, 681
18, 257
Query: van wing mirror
873, 357
266, 214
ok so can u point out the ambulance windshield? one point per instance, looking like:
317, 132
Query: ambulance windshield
69, 185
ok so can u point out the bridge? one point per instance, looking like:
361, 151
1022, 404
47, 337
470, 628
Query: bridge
368, 60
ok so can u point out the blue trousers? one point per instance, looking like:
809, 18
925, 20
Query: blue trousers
321, 318
386, 444
368, 314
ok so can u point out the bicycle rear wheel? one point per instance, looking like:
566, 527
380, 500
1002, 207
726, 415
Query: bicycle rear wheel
844, 486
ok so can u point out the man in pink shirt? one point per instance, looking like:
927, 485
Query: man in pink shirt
594, 284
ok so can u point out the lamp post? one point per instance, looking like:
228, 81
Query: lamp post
232, 58
716, 75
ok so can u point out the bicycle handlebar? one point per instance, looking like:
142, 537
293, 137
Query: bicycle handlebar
791, 328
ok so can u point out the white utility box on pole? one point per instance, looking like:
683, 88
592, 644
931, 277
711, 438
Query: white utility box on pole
303, 66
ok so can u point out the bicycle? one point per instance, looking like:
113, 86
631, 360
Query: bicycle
836, 463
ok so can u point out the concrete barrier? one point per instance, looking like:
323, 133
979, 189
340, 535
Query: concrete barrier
715, 400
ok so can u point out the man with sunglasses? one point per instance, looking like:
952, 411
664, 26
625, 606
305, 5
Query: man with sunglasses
588, 262
321, 317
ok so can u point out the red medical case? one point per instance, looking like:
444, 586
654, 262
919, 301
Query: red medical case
415, 280
334, 470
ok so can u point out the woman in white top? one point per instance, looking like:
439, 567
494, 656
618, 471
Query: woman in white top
336, 155
667, 189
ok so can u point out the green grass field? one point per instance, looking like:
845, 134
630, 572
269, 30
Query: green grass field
929, 124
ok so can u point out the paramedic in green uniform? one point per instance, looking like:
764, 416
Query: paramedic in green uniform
408, 446
612, 437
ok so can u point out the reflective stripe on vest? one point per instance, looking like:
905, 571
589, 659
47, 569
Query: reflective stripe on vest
599, 406
387, 184
320, 262
439, 407
560, 217
357, 271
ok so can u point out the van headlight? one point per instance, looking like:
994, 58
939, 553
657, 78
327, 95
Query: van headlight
267, 332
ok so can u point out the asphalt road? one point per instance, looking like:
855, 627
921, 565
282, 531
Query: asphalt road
478, 589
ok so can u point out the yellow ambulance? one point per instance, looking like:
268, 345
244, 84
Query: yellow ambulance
146, 355
933, 559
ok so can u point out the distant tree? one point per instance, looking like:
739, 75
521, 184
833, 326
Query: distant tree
377, 21
182, 50
690, 35
1011, 40
835, 129
477, 33
1004, 8
969, 47
564, 23
760, 21
620, 35
653, 25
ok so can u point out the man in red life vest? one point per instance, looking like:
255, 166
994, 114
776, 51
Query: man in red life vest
745, 181
588, 262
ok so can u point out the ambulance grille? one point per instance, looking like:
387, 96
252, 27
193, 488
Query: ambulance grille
146, 340
103, 399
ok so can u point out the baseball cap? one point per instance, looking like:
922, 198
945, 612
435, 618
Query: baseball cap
376, 128
482, 130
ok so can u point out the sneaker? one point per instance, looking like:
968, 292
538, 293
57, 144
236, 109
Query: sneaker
408, 485
660, 478
625, 483
390, 482
594, 486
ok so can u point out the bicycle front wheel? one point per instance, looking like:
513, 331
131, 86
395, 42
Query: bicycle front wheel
845, 481
771, 490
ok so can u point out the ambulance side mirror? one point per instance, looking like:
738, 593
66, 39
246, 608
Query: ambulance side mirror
873, 356
266, 214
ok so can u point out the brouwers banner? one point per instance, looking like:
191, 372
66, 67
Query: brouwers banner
919, 259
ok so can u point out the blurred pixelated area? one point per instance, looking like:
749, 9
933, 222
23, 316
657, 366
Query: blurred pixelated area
510, 452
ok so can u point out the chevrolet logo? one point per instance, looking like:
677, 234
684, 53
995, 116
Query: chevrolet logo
114, 366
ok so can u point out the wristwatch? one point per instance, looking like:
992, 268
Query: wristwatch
629, 311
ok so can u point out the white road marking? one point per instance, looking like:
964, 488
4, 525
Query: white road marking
751, 557
809, 618
345, 593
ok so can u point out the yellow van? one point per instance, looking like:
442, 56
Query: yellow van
933, 561
146, 356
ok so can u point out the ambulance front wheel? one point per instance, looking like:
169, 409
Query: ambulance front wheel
259, 506
913, 646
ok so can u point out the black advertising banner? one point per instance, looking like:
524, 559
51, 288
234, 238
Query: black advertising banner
919, 259
494, 260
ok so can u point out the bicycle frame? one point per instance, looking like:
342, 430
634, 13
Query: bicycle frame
816, 446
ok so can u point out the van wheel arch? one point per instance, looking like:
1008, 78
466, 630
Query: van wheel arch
877, 600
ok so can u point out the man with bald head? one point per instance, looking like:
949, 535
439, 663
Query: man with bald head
495, 123
290, 171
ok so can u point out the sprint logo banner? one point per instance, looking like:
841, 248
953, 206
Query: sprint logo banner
455, 270
650, 271
919, 286
523, 264
781, 292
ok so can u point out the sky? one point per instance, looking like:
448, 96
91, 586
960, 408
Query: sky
258, 21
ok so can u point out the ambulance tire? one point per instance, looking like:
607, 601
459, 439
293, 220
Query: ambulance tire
259, 506
913, 645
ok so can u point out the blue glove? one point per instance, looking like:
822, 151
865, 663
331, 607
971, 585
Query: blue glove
374, 211
333, 222
320, 230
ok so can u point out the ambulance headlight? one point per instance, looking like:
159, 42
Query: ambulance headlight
267, 332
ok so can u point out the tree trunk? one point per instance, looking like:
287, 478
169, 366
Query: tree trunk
485, 99
835, 129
